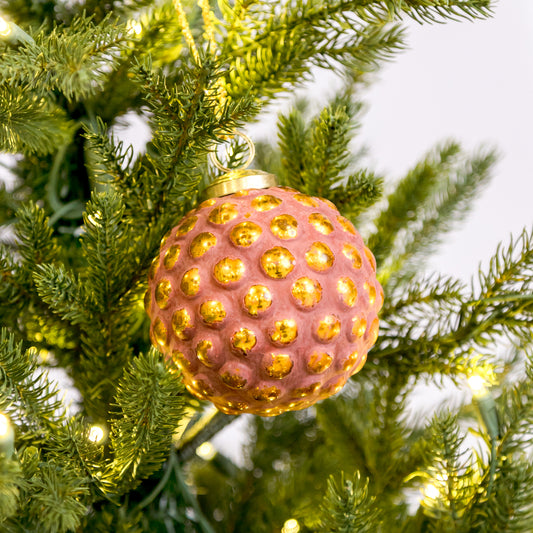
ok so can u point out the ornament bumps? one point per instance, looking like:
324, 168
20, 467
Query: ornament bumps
266, 300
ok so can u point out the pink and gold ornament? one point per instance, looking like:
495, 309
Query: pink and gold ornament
265, 299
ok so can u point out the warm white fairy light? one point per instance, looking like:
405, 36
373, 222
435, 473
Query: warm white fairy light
134, 28
96, 434
5, 27
206, 451
5, 425
291, 526
477, 385
431, 491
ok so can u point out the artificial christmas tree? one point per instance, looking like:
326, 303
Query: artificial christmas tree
84, 216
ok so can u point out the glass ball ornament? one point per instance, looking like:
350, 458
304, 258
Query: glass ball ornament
266, 299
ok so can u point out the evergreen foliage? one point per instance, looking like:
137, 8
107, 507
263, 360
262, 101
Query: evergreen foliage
86, 214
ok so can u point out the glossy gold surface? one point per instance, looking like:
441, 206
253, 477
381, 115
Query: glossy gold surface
348, 291
358, 326
245, 233
328, 328
181, 321
162, 293
319, 257
203, 349
284, 227
258, 299
190, 282
265, 394
224, 213
243, 340
302, 392
306, 200
187, 225
160, 333
265, 202
371, 290
154, 267
319, 361
277, 262
352, 253
279, 366
346, 225
229, 270
234, 379
285, 331
321, 223
202, 243
307, 291
212, 312
371, 259
171, 256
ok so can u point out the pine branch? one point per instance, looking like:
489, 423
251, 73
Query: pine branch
149, 407
25, 390
30, 123
409, 198
445, 210
451, 473
349, 507
73, 60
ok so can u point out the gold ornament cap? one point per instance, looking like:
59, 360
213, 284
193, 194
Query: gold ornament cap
238, 180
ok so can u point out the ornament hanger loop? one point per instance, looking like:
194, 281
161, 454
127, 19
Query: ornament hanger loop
213, 156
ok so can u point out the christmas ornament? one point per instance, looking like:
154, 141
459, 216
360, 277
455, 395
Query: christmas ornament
265, 298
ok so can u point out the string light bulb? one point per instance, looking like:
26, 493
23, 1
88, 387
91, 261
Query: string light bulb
206, 451
7, 436
291, 526
134, 28
96, 434
5, 27
477, 385
13, 34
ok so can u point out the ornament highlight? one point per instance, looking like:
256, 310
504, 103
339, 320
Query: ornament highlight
265, 299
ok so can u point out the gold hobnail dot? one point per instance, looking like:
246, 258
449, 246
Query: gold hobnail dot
243, 340
284, 227
348, 291
234, 380
358, 326
202, 352
319, 257
265, 394
186, 226
319, 362
224, 213
258, 299
279, 366
346, 225
245, 234
212, 312
265, 202
371, 290
229, 270
321, 223
328, 328
181, 321
285, 331
202, 243
190, 282
307, 291
277, 262
160, 333
171, 256
162, 293
306, 200
352, 253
